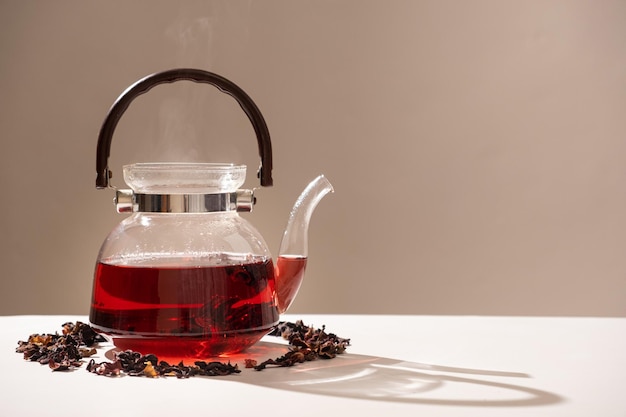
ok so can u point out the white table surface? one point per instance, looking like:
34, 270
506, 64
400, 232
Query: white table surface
402, 365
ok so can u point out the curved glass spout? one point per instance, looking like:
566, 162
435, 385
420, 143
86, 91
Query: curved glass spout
293, 252
295, 237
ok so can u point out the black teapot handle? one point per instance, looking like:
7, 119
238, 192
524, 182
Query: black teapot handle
142, 86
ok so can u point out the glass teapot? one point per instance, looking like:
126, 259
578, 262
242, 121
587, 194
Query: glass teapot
185, 276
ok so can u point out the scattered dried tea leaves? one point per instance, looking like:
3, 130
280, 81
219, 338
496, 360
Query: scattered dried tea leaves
64, 352
133, 363
306, 344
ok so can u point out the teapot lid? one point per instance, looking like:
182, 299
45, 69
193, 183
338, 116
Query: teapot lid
184, 178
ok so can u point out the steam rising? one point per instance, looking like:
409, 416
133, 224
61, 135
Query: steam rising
185, 104
191, 114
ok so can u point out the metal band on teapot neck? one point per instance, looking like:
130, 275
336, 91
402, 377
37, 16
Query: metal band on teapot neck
128, 202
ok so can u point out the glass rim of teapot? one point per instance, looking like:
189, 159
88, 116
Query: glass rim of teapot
175, 177
206, 166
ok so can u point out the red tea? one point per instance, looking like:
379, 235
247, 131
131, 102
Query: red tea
184, 312
289, 275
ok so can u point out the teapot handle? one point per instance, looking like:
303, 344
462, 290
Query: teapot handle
142, 86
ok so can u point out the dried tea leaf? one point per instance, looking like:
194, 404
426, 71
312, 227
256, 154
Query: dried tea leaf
61, 352
307, 344
249, 363
78, 340
149, 370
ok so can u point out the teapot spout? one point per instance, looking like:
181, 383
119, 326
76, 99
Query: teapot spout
293, 252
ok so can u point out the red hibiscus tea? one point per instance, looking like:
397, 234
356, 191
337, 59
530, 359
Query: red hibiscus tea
289, 275
184, 312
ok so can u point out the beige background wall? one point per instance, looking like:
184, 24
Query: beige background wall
477, 148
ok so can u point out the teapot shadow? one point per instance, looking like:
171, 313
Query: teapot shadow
384, 379
376, 378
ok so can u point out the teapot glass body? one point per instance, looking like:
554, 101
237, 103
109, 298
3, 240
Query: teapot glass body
186, 276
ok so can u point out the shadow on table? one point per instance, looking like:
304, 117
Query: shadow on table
369, 377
